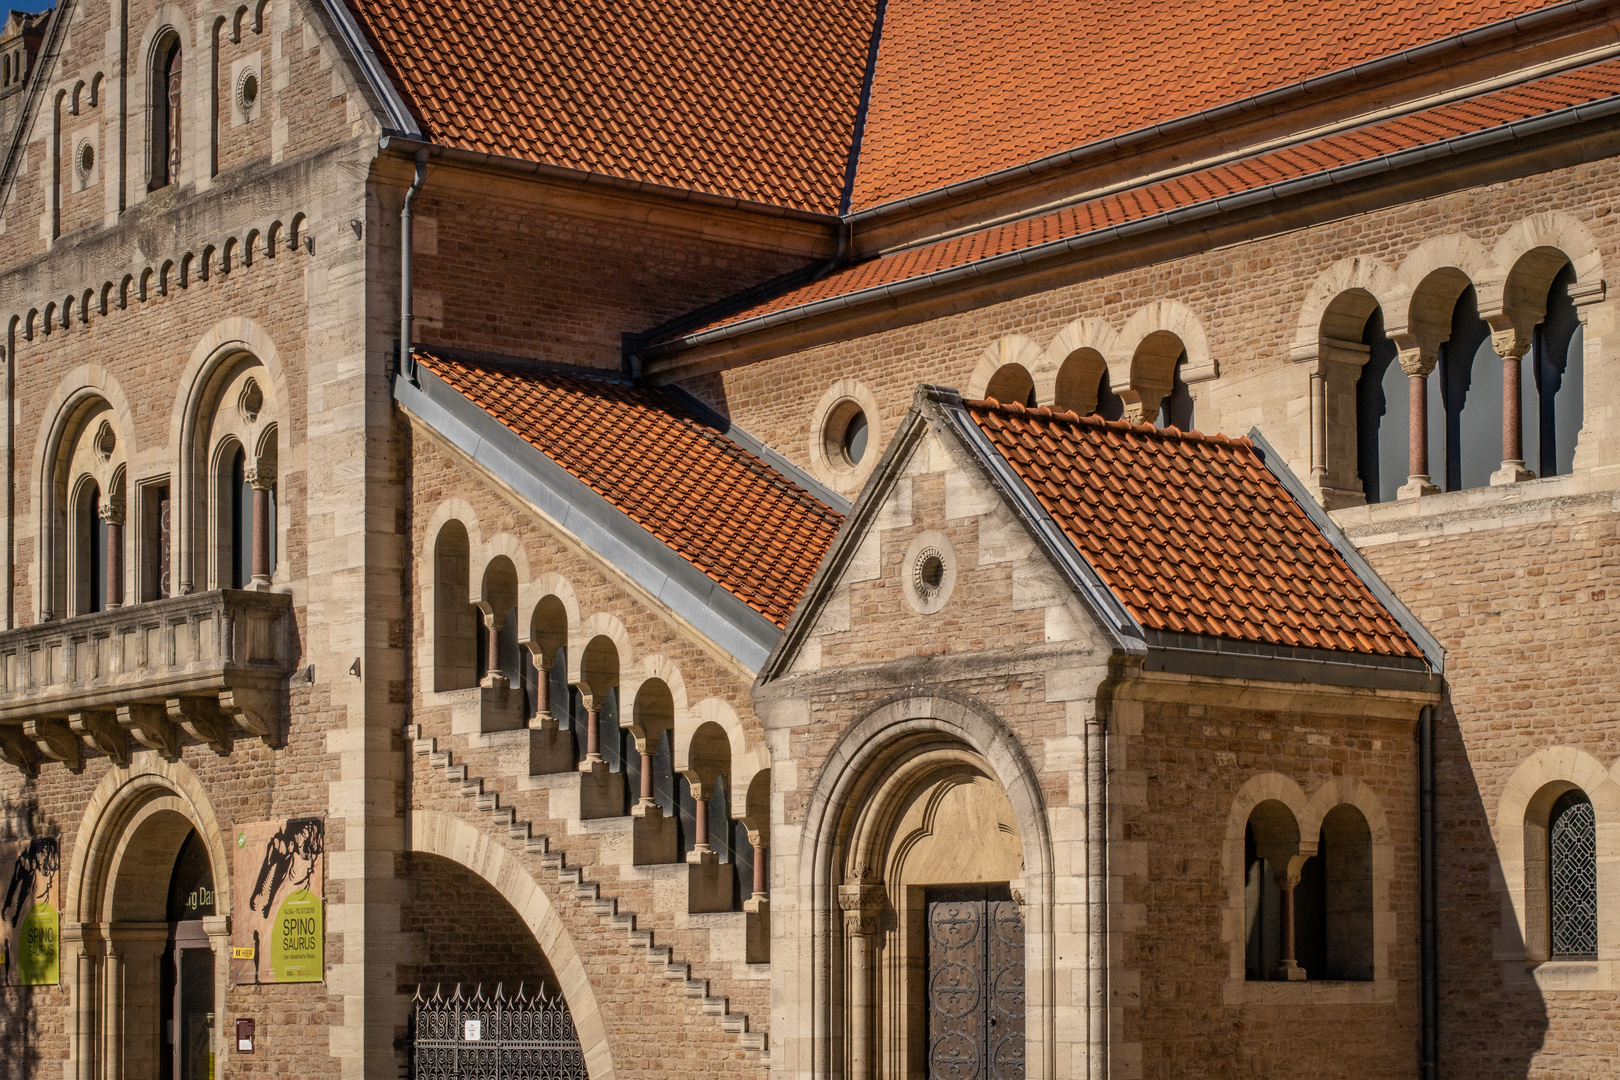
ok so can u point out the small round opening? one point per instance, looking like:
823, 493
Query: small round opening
854, 440
931, 572
106, 441
252, 401
87, 159
250, 90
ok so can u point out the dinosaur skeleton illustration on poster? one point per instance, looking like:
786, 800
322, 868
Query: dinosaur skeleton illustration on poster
278, 907
30, 927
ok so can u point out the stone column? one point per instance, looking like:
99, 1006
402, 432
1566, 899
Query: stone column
1287, 877
113, 515
1319, 429
113, 1012
492, 651
593, 760
261, 480
79, 943
1511, 346
1417, 363
862, 906
701, 851
645, 804
761, 891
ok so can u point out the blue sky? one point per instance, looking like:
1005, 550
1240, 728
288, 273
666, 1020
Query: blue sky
27, 5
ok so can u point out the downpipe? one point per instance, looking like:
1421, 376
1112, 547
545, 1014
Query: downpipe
407, 360
1097, 890
1429, 1068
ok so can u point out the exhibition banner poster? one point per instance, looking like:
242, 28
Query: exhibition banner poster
278, 904
30, 919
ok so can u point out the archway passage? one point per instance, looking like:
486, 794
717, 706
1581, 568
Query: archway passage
188, 989
470, 934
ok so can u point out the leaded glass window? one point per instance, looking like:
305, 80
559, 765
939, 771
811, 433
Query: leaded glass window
1572, 866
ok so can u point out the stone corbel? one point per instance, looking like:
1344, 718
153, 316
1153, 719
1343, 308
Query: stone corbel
151, 727
1584, 295
258, 711
55, 741
18, 750
100, 730
203, 720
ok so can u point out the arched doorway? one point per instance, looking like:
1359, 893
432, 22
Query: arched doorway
188, 968
146, 928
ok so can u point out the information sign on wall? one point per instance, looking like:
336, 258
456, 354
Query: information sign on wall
278, 904
30, 919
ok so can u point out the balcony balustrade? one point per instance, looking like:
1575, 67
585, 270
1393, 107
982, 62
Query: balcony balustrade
202, 665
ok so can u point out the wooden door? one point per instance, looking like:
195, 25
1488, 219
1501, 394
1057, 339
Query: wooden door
975, 984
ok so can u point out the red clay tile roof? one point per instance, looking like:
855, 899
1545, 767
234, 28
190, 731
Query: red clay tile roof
754, 101
1192, 532
967, 87
716, 505
1536, 98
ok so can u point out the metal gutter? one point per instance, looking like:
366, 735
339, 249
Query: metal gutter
382, 84
1426, 54
1128, 634
748, 441
415, 142
1433, 651
1026, 257
1197, 654
687, 591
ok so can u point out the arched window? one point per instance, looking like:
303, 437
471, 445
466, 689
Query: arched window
90, 550
1553, 394
1083, 387
455, 623
1334, 900
1176, 410
166, 120
1467, 411
1572, 877
241, 522
1382, 420
1012, 383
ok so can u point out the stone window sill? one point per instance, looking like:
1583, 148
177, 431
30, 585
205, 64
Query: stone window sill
1310, 992
1579, 975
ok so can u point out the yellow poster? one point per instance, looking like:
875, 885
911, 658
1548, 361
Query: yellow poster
278, 916
30, 919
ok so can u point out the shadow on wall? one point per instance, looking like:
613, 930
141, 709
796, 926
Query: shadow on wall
1489, 1029
22, 1008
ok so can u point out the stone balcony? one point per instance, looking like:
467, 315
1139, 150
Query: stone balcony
204, 665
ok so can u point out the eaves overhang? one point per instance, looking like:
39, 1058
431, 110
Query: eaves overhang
1039, 256
613, 536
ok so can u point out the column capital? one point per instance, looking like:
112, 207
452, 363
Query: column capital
1418, 361
259, 478
1510, 344
110, 512
861, 905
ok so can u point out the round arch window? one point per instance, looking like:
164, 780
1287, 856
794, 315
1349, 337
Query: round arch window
86, 159
247, 91
846, 434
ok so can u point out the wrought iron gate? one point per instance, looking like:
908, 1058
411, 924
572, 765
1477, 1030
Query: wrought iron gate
523, 1037
975, 985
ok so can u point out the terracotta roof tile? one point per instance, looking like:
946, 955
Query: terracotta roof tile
715, 504
1542, 96
753, 101
1192, 532
965, 88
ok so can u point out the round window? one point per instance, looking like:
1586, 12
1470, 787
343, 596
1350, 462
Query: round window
251, 401
854, 441
106, 441
930, 573
87, 159
247, 90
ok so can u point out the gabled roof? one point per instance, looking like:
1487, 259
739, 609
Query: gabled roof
747, 526
752, 101
1198, 554
962, 89
1193, 533
1565, 97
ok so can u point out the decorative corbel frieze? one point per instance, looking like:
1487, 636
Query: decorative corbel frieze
257, 710
101, 731
151, 727
55, 741
18, 750
203, 720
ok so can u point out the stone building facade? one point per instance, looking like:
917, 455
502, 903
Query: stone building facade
840, 539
